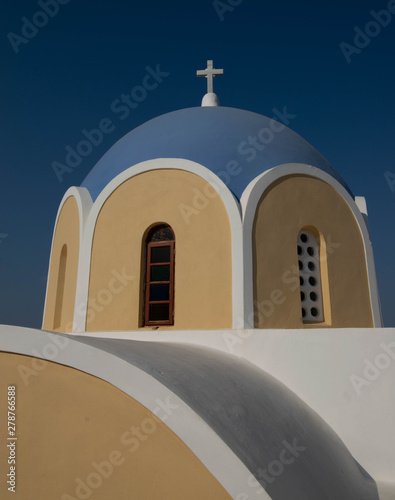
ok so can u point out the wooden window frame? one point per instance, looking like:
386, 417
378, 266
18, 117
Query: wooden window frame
148, 282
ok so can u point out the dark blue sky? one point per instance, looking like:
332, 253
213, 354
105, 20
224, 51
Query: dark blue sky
274, 53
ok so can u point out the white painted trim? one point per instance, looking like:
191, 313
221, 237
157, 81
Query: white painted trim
249, 201
84, 204
227, 197
197, 435
360, 201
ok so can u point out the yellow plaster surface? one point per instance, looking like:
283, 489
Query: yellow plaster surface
75, 429
67, 232
203, 259
292, 204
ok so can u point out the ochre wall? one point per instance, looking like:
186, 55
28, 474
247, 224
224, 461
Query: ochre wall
203, 258
292, 204
67, 232
68, 420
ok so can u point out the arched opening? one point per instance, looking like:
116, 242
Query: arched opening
159, 276
60, 288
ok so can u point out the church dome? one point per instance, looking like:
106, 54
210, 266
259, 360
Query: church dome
215, 137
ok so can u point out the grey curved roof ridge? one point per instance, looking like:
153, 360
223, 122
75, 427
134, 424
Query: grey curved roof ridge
255, 415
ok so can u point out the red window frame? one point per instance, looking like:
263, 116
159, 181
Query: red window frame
148, 282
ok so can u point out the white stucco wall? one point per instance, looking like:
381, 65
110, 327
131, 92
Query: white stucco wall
322, 367
346, 375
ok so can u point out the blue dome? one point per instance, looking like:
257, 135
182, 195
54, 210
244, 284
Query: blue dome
213, 137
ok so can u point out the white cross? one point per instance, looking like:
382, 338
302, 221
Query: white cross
210, 73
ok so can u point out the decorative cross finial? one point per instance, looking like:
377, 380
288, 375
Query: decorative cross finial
210, 74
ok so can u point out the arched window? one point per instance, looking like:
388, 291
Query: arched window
310, 278
60, 288
159, 277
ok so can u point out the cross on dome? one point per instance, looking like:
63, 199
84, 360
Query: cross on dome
210, 73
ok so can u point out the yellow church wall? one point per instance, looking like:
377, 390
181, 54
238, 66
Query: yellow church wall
62, 282
203, 253
74, 429
289, 205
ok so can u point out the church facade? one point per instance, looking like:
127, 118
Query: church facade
211, 328
264, 233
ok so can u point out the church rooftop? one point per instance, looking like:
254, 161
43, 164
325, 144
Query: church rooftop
235, 144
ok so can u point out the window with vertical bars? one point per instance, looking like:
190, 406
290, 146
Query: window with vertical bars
159, 277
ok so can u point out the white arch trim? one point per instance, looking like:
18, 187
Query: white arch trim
249, 202
200, 438
232, 208
84, 204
